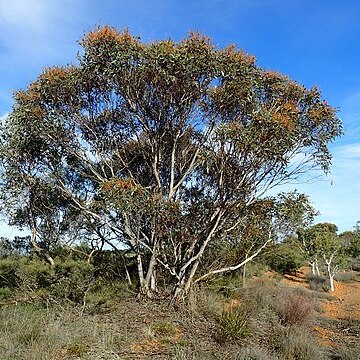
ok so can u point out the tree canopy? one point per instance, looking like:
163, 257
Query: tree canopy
172, 146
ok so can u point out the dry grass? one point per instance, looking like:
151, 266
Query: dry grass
296, 309
264, 322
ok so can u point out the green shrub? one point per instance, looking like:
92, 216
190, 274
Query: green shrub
233, 324
72, 280
283, 258
9, 273
36, 274
6, 293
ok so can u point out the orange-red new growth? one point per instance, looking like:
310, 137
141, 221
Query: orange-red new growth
232, 52
321, 112
283, 119
108, 34
271, 75
54, 75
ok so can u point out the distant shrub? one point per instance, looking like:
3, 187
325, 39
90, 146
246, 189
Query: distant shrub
318, 283
283, 258
355, 264
68, 280
346, 276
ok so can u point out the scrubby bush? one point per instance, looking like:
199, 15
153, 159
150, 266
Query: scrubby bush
72, 280
355, 264
297, 343
9, 273
295, 309
318, 283
255, 352
5, 293
346, 353
68, 280
346, 276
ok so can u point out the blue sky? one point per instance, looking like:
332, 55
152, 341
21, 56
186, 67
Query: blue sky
314, 42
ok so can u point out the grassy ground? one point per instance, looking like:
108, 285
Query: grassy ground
267, 320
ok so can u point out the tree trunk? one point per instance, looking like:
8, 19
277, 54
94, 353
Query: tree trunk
151, 273
331, 279
331, 274
244, 275
41, 252
317, 266
148, 283
313, 269
153, 284
128, 278
180, 290
143, 288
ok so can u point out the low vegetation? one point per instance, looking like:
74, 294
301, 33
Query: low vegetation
77, 310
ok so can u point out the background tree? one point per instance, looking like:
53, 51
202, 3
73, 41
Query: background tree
326, 244
331, 248
351, 240
306, 240
170, 145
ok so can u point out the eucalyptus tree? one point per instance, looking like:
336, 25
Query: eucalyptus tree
351, 241
171, 145
331, 247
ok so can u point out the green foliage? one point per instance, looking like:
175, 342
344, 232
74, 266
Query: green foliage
351, 241
234, 324
69, 280
9, 272
283, 258
6, 293
72, 280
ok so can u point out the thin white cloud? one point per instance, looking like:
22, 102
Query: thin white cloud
337, 196
29, 15
338, 199
349, 151
38, 32
353, 100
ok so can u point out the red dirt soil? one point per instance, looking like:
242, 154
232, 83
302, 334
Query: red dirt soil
346, 304
347, 296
